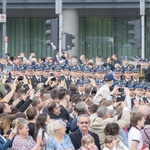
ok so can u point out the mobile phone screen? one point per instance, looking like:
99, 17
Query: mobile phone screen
43, 134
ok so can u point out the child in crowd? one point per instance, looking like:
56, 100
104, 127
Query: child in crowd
87, 143
110, 143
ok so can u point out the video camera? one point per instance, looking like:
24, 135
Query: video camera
121, 96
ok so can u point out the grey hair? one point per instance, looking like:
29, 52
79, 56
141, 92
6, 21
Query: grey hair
81, 108
83, 115
53, 126
102, 111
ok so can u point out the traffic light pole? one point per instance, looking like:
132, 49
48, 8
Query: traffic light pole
58, 10
142, 13
60, 35
143, 36
4, 39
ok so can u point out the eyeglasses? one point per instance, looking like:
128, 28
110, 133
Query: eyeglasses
84, 122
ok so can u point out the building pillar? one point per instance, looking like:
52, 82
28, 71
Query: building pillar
70, 19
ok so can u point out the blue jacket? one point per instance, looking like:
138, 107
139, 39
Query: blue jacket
4, 145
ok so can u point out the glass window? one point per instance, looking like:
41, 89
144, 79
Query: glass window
121, 45
147, 34
106, 36
96, 36
27, 35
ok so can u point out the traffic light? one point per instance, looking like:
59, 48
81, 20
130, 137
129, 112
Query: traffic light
135, 33
53, 32
68, 41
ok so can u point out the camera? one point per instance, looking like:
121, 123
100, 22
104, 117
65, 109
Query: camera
120, 97
53, 79
121, 90
20, 78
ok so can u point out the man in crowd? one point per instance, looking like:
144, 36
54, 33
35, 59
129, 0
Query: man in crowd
104, 91
103, 117
83, 123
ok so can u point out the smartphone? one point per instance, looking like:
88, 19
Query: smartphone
43, 134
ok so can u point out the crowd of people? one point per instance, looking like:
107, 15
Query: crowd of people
66, 103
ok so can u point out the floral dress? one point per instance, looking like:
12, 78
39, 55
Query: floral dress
21, 144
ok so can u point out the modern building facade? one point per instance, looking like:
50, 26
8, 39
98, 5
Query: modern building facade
100, 26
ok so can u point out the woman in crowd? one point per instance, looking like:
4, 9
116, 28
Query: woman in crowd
22, 140
58, 139
41, 123
146, 132
5, 123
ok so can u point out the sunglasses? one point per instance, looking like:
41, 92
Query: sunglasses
84, 122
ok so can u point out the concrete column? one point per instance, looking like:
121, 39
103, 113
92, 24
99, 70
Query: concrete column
70, 25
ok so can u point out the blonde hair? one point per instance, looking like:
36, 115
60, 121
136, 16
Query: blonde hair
20, 123
55, 126
5, 122
87, 140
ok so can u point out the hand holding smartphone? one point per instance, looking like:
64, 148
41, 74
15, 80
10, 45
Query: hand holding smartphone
43, 134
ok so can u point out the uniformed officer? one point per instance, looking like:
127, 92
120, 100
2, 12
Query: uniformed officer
13, 75
136, 76
127, 75
36, 79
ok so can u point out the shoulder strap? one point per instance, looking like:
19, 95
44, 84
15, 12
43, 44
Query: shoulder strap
146, 135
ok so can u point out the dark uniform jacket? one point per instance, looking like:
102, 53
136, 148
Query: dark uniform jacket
147, 74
